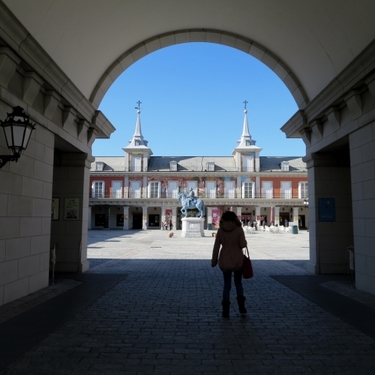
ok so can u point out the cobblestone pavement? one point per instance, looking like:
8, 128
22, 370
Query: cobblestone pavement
164, 316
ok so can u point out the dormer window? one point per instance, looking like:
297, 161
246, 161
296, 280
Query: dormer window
99, 166
173, 166
285, 166
211, 166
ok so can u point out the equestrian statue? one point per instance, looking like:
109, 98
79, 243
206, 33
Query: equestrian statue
190, 201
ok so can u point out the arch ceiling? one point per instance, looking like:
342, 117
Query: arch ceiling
307, 43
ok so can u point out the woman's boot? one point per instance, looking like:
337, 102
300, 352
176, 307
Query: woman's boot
226, 305
241, 304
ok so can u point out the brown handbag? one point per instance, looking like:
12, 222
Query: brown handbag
247, 267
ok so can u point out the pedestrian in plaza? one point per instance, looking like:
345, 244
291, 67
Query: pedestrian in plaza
227, 251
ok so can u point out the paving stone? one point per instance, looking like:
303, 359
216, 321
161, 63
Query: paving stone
164, 316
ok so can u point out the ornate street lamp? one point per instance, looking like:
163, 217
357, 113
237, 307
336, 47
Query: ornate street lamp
17, 130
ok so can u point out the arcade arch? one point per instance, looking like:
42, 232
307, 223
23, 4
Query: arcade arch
201, 35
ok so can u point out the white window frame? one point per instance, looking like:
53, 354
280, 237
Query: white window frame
229, 189
303, 190
286, 189
95, 191
116, 191
248, 163
135, 189
211, 189
99, 166
136, 163
244, 186
211, 166
267, 191
173, 166
285, 166
153, 189
192, 185
172, 189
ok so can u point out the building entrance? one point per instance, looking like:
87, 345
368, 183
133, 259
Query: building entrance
137, 221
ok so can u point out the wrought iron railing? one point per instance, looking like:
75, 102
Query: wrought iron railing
164, 195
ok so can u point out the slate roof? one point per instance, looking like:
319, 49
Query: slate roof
191, 163
111, 163
273, 163
199, 163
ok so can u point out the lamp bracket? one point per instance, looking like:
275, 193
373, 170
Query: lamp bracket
5, 158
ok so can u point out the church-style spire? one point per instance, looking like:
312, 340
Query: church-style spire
245, 137
137, 153
138, 139
246, 154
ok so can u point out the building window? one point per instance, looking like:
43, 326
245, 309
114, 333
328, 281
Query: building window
116, 189
286, 189
97, 189
154, 189
136, 163
285, 166
172, 189
211, 166
248, 163
135, 189
173, 166
210, 189
248, 189
99, 165
192, 185
303, 191
267, 190
229, 189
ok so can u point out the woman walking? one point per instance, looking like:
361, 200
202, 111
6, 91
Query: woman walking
227, 251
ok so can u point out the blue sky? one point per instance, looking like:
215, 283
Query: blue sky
192, 103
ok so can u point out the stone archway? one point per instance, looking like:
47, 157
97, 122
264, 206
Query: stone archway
200, 35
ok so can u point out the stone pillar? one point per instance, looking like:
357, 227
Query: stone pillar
163, 217
362, 161
330, 212
277, 216
295, 216
174, 217
144, 218
89, 218
126, 218
71, 186
257, 215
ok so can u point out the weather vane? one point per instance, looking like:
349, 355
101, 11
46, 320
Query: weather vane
245, 102
138, 107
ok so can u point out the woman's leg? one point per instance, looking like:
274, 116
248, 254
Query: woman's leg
239, 289
226, 293
227, 286
238, 283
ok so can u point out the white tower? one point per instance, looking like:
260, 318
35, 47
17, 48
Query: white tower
137, 153
246, 154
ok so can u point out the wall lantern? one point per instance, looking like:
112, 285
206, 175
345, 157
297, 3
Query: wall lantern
17, 130
306, 202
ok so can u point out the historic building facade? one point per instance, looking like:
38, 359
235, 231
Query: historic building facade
140, 191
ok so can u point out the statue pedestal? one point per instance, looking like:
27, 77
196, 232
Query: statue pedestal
192, 227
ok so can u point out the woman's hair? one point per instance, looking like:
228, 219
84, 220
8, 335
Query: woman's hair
230, 216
